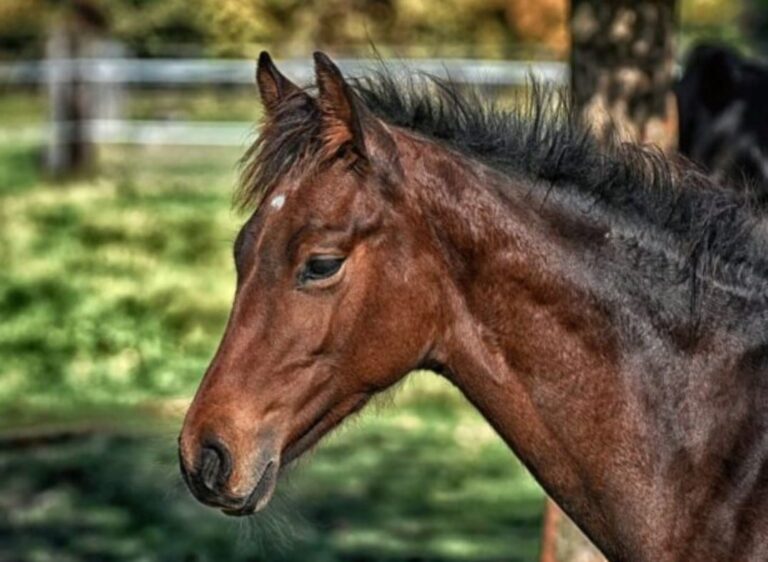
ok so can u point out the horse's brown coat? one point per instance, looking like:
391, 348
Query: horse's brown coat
448, 266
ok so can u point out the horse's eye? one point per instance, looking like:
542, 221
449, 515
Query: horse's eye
320, 267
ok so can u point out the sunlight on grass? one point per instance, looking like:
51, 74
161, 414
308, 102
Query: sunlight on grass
105, 298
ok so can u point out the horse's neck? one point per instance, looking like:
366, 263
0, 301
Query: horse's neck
632, 453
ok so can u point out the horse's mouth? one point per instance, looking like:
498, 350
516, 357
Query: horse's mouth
265, 487
306, 440
324, 424
260, 495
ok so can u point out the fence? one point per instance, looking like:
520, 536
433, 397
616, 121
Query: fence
108, 77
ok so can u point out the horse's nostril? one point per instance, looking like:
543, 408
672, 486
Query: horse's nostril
209, 467
215, 465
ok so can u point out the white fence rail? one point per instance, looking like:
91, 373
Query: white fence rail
107, 74
177, 133
173, 72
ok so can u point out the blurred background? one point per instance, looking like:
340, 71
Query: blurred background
121, 124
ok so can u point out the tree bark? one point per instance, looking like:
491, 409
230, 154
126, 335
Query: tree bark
622, 68
622, 73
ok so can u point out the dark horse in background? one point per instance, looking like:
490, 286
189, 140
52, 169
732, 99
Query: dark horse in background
604, 308
722, 102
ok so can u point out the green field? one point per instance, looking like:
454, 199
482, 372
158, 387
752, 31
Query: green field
113, 294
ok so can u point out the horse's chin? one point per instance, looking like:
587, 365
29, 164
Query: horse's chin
266, 482
261, 494
325, 423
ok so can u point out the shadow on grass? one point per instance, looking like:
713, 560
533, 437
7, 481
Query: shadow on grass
379, 491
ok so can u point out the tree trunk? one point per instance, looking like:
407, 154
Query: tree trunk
622, 68
622, 72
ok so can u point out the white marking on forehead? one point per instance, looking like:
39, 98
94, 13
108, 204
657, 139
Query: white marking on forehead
277, 202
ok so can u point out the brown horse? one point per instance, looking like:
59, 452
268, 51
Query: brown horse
606, 310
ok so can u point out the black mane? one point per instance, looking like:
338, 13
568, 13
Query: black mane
541, 139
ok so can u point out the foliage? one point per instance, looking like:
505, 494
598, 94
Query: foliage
717, 20
547, 24
698, 13
487, 28
422, 26
148, 27
21, 26
157, 28
241, 27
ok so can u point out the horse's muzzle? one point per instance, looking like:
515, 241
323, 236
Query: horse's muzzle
208, 475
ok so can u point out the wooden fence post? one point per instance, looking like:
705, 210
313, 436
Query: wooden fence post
68, 151
71, 99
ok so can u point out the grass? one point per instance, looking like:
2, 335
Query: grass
113, 294
22, 106
115, 289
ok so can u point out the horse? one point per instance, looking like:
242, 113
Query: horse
604, 307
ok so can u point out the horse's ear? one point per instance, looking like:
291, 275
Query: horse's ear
273, 86
341, 111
